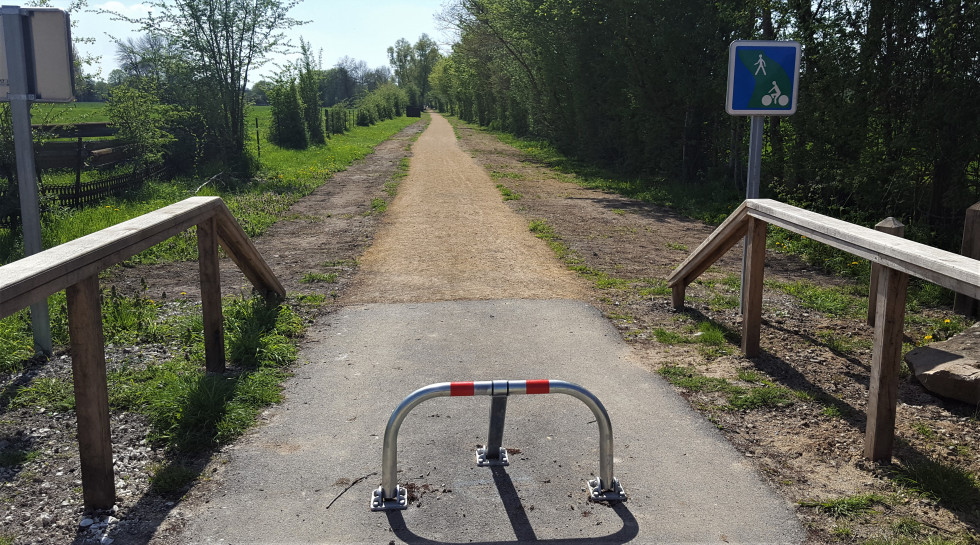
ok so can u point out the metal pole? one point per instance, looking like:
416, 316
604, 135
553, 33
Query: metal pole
498, 413
751, 188
20, 117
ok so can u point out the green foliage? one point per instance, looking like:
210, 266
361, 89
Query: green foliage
217, 44
413, 64
834, 301
760, 393
288, 128
170, 478
508, 193
603, 82
309, 94
314, 278
941, 481
848, 506
50, 393
15, 457
141, 119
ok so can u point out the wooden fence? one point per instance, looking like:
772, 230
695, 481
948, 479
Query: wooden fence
75, 267
898, 258
82, 193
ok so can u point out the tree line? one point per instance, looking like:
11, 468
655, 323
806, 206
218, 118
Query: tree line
886, 124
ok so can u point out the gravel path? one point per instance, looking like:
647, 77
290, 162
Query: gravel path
449, 236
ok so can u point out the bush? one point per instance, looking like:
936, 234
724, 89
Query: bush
288, 128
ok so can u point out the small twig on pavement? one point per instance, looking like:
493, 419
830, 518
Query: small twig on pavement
351, 485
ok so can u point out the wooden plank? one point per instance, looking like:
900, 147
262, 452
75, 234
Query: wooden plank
893, 227
91, 393
752, 293
716, 245
33, 278
964, 304
956, 272
886, 357
214, 331
241, 250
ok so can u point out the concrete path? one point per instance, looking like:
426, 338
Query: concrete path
307, 475
685, 483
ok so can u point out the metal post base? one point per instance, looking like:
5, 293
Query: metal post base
616, 494
379, 503
500, 460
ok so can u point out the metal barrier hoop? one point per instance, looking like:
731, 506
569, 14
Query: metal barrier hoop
389, 495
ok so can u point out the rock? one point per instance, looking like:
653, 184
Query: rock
950, 368
86, 522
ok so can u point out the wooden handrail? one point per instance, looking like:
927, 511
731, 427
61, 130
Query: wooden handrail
75, 267
958, 273
897, 257
35, 277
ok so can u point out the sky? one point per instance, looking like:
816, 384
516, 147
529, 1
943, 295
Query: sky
361, 29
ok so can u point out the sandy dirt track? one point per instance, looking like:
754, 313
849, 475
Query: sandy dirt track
449, 236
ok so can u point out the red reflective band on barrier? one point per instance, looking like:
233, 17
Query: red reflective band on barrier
538, 386
461, 388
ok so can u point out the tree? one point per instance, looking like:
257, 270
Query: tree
412, 64
224, 40
309, 93
141, 119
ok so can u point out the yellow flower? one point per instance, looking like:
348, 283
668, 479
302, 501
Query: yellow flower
928, 337
854, 262
946, 321
183, 293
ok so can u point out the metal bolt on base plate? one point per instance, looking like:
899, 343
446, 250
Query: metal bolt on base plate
483, 461
379, 503
616, 494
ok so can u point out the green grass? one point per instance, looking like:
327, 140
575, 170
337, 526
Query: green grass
170, 478
922, 540
508, 194
712, 338
188, 410
285, 177
711, 202
315, 278
833, 301
942, 482
15, 457
848, 506
758, 394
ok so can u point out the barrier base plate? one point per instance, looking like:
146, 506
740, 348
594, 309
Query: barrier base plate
483, 461
616, 494
379, 503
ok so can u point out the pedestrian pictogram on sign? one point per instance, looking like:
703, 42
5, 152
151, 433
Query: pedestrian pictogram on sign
763, 77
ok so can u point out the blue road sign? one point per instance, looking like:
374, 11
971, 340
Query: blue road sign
763, 77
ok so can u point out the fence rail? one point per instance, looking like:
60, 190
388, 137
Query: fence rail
75, 267
83, 193
897, 257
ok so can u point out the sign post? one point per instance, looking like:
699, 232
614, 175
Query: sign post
41, 36
763, 80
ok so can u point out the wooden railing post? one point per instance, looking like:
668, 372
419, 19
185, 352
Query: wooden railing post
91, 393
885, 362
891, 226
964, 304
755, 254
214, 332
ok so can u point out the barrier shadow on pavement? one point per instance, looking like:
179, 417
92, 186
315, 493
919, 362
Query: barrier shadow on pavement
519, 521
